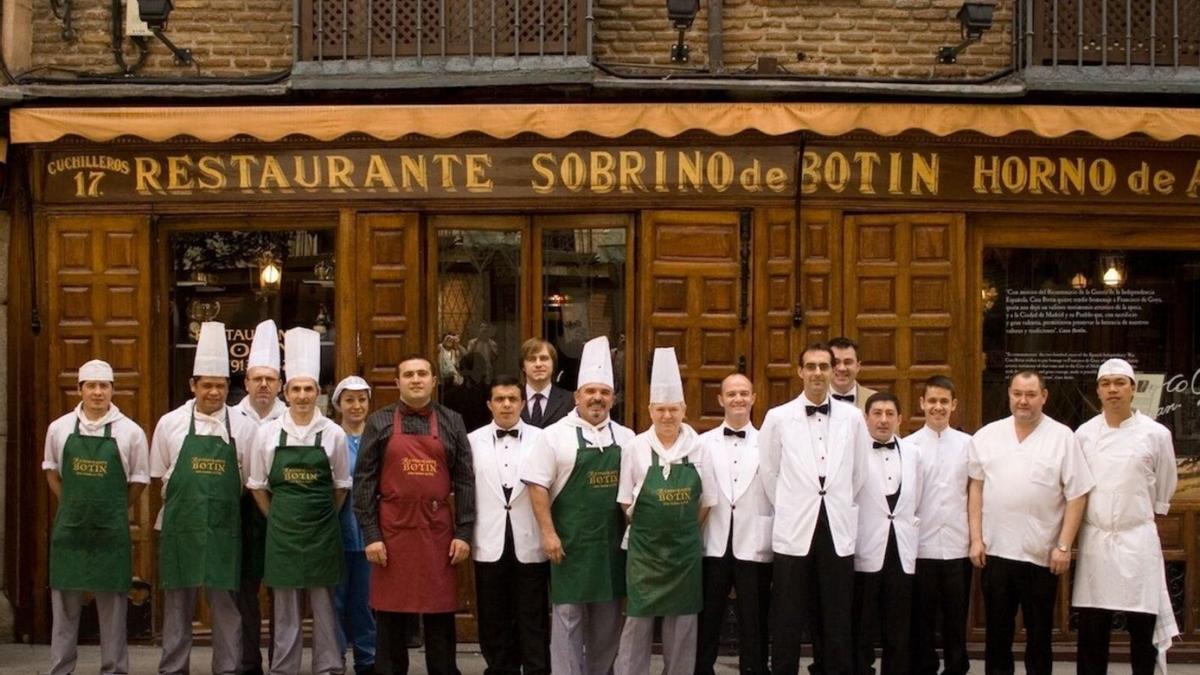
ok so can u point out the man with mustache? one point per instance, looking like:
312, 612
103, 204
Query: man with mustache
573, 475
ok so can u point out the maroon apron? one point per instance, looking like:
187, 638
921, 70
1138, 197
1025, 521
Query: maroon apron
416, 525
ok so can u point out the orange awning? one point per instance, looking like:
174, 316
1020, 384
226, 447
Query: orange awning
608, 120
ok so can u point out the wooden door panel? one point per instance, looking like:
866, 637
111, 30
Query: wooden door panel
99, 307
388, 287
904, 284
692, 298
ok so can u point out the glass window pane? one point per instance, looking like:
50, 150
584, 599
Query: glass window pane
479, 332
240, 278
583, 277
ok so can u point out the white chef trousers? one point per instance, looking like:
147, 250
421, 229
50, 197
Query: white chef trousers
584, 638
179, 606
327, 658
678, 645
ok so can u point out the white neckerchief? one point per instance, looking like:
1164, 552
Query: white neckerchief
112, 415
290, 427
683, 446
218, 419
574, 420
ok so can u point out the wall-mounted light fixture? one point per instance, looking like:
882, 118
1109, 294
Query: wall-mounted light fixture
975, 19
1079, 281
681, 13
1113, 271
270, 276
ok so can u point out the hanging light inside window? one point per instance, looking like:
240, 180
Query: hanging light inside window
1079, 281
1113, 272
270, 276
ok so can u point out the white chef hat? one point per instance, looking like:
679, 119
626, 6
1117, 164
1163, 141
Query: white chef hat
264, 349
302, 349
665, 384
212, 352
1116, 367
95, 371
353, 383
595, 365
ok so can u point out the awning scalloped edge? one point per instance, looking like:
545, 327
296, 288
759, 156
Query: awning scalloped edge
608, 120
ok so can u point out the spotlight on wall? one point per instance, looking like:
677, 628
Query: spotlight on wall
681, 13
975, 18
155, 12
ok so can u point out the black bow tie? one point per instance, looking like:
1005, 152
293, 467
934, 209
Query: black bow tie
812, 409
731, 432
890, 445
501, 433
848, 398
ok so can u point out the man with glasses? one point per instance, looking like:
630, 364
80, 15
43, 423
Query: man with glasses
813, 453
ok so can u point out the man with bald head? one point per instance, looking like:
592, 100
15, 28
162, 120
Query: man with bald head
736, 535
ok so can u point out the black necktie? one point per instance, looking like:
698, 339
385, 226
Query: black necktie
535, 415
848, 398
501, 433
813, 409
731, 432
890, 445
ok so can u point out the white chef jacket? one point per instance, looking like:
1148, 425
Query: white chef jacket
1026, 486
333, 441
553, 457
1120, 554
244, 407
636, 458
945, 534
131, 441
742, 503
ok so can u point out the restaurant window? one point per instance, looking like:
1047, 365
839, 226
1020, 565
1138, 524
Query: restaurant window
243, 277
1064, 312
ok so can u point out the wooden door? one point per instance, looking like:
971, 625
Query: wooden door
387, 297
904, 281
99, 307
694, 296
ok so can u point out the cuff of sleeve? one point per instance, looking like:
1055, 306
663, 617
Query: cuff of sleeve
343, 484
976, 475
252, 484
464, 533
49, 466
1162, 508
534, 481
139, 478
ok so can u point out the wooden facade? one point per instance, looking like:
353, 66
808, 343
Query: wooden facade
735, 278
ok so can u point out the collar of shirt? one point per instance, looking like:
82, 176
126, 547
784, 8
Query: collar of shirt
216, 418
302, 432
805, 400
112, 415
530, 391
934, 432
519, 426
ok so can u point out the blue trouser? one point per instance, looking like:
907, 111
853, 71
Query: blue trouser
357, 623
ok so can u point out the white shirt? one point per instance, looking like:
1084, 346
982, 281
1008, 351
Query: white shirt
172, 428
530, 392
945, 534
1026, 486
333, 441
244, 407
507, 458
735, 448
818, 433
553, 457
890, 467
131, 441
637, 457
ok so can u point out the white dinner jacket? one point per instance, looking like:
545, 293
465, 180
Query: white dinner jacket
874, 516
742, 503
491, 509
788, 470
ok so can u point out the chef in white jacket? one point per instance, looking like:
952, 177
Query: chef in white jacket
1120, 566
512, 572
812, 454
737, 536
885, 556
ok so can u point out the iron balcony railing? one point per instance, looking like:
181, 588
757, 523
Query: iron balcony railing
1109, 33
339, 30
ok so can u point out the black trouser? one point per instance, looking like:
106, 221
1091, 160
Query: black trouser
1095, 628
246, 598
818, 587
1007, 585
883, 606
513, 603
752, 583
391, 650
943, 587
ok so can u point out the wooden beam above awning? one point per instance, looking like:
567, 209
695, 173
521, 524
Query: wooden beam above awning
608, 120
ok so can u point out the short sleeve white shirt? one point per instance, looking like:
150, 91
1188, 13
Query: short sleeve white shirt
637, 458
552, 459
131, 441
333, 441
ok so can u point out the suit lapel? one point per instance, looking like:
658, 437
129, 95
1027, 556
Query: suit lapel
722, 462
523, 450
835, 443
490, 468
747, 466
908, 473
804, 440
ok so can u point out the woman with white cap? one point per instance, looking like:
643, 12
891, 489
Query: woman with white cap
666, 488
97, 464
352, 399
300, 475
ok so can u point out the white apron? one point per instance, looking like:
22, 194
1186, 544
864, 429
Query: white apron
1120, 564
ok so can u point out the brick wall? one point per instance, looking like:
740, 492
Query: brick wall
227, 37
844, 38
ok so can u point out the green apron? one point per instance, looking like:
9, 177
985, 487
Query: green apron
590, 525
90, 548
304, 538
664, 543
201, 542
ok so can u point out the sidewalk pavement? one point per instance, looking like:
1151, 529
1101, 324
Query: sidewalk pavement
20, 659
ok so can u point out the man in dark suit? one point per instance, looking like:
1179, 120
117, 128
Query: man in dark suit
545, 403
